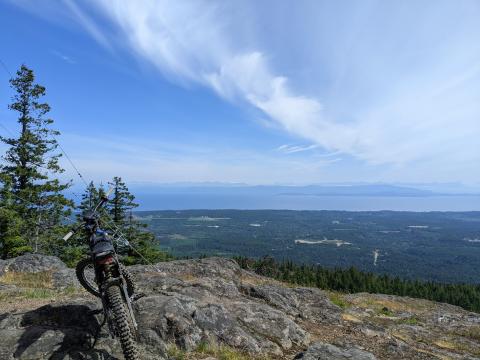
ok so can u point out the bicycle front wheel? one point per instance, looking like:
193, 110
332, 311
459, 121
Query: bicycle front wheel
85, 272
123, 328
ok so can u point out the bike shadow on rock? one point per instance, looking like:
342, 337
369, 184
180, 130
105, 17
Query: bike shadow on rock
63, 332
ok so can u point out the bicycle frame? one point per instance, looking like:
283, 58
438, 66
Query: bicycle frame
105, 260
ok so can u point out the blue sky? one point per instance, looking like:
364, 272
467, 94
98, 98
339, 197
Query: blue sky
259, 92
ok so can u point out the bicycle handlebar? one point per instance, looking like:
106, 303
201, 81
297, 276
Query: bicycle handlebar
102, 202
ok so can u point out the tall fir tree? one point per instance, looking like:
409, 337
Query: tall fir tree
30, 167
121, 204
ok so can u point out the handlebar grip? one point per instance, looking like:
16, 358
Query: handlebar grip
68, 236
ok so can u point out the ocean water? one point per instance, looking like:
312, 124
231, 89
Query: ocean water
308, 202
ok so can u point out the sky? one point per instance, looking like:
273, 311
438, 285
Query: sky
257, 92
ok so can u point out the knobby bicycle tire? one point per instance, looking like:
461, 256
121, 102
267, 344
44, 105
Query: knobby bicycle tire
124, 330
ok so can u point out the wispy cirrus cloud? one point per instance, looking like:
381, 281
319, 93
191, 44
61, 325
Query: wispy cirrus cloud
195, 41
383, 83
190, 41
87, 22
291, 149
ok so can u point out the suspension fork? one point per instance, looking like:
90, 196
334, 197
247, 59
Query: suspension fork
120, 281
127, 298
128, 301
106, 276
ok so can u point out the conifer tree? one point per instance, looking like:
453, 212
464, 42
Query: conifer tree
90, 198
11, 241
30, 166
121, 203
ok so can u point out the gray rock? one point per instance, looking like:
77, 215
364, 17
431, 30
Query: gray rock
305, 303
3, 265
65, 278
269, 324
212, 300
168, 319
322, 351
60, 331
32, 263
187, 302
61, 276
220, 326
186, 322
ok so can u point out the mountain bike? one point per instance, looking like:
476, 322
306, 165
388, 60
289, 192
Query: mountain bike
104, 276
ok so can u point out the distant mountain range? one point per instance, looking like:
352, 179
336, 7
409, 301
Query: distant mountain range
319, 190
355, 197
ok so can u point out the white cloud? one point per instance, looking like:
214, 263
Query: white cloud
404, 91
291, 149
192, 41
187, 40
86, 22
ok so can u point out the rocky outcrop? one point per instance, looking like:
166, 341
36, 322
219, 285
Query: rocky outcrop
207, 300
31, 263
53, 269
212, 301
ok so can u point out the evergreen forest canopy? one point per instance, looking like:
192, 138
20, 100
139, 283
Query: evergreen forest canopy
34, 211
431, 246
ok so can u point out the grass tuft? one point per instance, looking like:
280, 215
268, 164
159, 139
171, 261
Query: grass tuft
338, 299
32, 286
175, 353
386, 312
28, 280
410, 321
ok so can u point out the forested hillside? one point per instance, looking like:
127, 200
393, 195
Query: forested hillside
432, 246
352, 280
